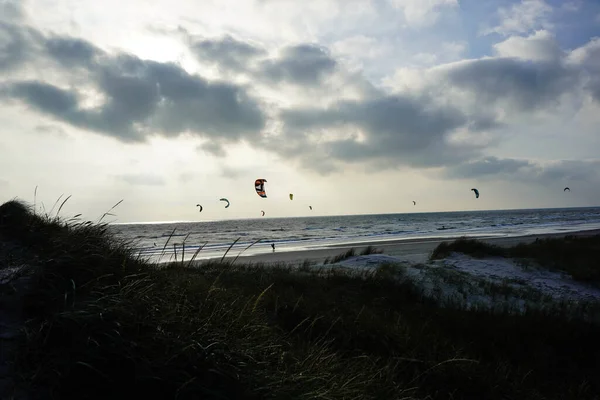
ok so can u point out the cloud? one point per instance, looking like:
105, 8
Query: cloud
387, 131
486, 167
529, 171
300, 64
361, 46
518, 84
186, 177
540, 46
423, 127
72, 52
522, 17
227, 52
11, 10
568, 170
230, 172
587, 57
445, 119
142, 179
134, 98
448, 51
14, 45
304, 64
214, 148
423, 12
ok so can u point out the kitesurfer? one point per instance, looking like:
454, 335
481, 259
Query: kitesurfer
273, 246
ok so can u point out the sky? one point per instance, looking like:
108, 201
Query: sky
355, 106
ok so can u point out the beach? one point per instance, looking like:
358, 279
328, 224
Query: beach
315, 238
409, 250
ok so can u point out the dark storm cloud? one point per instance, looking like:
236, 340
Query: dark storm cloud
526, 84
400, 129
46, 98
15, 44
140, 97
304, 64
72, 52
129, 98
226, 51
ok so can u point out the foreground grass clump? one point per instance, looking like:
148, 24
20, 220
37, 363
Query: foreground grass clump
471, 247
577, 256
106, 325
351, 253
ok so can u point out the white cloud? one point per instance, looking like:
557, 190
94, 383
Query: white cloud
540, 46
360, 47
523, 17
447, 52
423, 12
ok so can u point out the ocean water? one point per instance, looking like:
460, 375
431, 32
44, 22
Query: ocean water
160, 241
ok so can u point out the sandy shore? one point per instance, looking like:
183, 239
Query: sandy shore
412, 250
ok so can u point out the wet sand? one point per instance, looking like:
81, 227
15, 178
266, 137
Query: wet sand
412, 250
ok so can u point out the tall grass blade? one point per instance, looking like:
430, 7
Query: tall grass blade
229, 248
183, 248
196, 254
108, 212
55, 203
35, 200
61, 206
167, 243
250, 245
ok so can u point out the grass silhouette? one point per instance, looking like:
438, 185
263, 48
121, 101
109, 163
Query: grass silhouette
103, 323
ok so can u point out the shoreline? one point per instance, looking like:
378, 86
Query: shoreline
415, 250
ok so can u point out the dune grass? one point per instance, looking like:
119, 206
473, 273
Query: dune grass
577, 256
351, 253
104, 324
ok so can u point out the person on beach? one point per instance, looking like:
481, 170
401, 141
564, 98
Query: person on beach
273, 246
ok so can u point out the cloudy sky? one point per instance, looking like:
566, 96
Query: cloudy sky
355, 106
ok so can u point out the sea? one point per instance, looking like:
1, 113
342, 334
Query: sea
166, 241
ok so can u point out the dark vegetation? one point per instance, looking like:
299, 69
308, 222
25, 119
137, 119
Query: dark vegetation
103, 324
351, 253
577, 256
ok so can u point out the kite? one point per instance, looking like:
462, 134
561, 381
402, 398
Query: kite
310, 207
565, 189
263, 213
291, 196
259, 185
476, 193
224, 199
414, 203
198, 205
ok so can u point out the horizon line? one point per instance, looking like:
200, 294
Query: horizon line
345, 215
